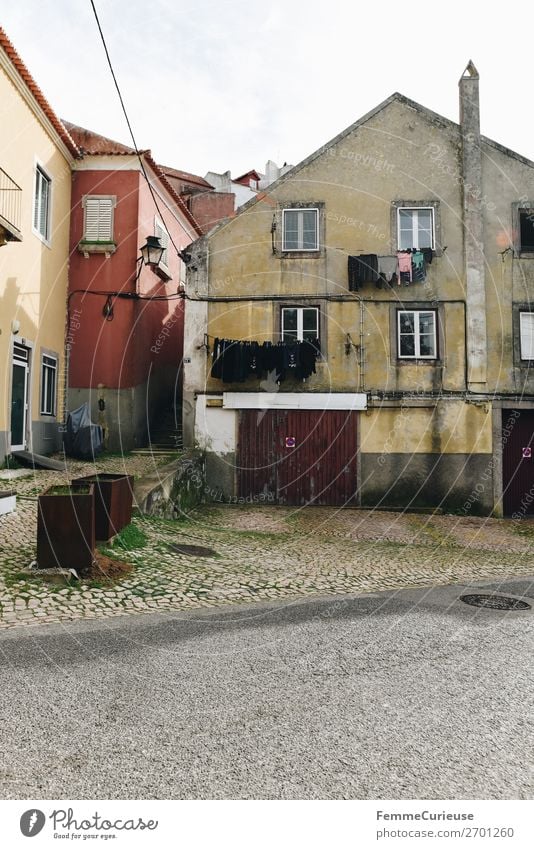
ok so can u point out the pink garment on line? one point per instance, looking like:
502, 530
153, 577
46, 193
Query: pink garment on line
405, 263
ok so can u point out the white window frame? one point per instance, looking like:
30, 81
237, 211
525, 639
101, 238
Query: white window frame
112, 200
47, 406
415, 210
159, 225
300, 322
416, 334
37, 223
523, 331
300, 248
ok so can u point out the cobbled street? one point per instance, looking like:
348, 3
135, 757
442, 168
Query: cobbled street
256, 553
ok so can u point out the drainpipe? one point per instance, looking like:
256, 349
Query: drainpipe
361, 352
473, 229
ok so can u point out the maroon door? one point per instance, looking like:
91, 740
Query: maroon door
518, 462
298, 456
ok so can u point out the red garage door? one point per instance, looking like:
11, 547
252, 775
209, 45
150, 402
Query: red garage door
298, 456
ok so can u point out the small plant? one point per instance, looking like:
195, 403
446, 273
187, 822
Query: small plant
129, 539
65, 489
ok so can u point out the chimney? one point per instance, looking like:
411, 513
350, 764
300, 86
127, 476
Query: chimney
473, 229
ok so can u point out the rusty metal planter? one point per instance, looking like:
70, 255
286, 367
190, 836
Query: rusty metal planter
113, 502
66, 528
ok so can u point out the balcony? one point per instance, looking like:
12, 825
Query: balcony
10, 209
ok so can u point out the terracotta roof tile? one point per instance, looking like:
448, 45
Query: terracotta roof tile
185, 176
94, 144
38, 95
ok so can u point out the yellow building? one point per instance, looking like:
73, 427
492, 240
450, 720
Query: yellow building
404, 250
36, 154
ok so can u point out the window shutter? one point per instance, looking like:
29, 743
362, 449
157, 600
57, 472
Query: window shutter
163, 237
44, 208
36, 204
98, 219
527, 335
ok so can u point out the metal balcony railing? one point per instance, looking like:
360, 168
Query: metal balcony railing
10, 209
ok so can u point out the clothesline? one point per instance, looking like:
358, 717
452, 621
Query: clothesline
404, 267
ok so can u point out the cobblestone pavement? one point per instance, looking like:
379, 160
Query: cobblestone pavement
258, 553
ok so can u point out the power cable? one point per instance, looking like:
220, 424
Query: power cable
142, 164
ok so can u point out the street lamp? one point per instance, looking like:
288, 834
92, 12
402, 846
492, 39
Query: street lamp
152, 252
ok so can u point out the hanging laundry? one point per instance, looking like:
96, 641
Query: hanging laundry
418, 267
362, 269
428, 254
354, 274
387, 269
234, 361
404, 260
309, 352
216, 368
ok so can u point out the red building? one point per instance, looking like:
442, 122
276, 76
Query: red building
207, 205
125, 321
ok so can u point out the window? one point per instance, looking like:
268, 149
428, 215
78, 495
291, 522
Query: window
300, 230
300, 324
415, 228
98, 218
41, 204
526, 333
161, 232
417, 334
526, 230
48, 385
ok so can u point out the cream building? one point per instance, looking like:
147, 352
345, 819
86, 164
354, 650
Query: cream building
36, 155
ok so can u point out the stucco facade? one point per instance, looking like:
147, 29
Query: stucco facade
34, 252
431, 431
125, 337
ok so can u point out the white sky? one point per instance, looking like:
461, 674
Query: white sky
227, 85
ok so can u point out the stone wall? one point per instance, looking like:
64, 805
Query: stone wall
172, 490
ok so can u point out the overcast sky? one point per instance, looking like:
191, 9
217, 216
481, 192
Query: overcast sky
229, 84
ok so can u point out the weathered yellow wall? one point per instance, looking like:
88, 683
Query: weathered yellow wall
33, 276
448, 428
399, 154
392, 157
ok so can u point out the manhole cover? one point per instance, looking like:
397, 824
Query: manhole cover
194, 550
495, 602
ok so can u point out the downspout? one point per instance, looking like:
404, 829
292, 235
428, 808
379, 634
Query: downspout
361, 354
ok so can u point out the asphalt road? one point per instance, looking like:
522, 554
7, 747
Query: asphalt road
393, 695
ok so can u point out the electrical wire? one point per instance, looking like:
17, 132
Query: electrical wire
138, 153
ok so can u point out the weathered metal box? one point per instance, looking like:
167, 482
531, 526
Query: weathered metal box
113, 502
66, 527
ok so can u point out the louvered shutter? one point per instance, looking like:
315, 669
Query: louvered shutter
163, 237
36, 196
44, 207
41, 203
98, 225
527, 335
